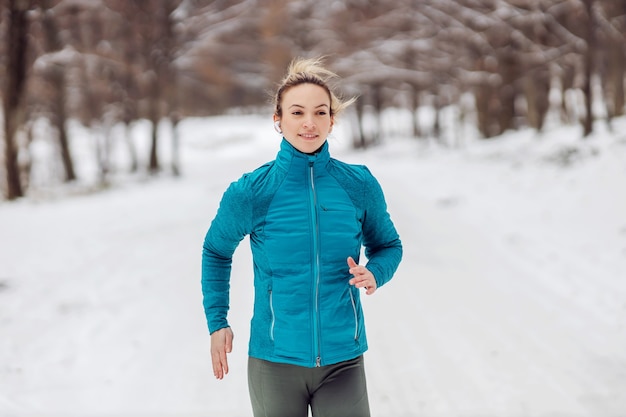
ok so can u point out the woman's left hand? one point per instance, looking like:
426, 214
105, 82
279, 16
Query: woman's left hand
362, 277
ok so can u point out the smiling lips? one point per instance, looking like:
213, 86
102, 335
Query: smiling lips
308, 135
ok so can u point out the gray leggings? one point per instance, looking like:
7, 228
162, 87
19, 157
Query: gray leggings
281, 390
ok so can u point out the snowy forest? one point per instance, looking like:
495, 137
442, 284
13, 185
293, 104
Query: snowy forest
107, 63
496, 129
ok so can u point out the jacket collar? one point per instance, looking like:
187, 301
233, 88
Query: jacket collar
288, 156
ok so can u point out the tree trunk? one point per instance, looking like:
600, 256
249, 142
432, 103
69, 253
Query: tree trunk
377, 98
102, 137
507, 92
437, 122
484, 96
358, 138
614, 84
16, 46
55, 76
537, 90
132, 151
567, 84
175, 145
588, 70
414, 104
153, 164
154, 115
59, 119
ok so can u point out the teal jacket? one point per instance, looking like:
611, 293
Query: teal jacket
305, 215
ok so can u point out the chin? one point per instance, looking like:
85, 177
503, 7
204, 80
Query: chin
306, 146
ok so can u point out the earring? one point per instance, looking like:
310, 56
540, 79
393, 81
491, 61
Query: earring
277, 127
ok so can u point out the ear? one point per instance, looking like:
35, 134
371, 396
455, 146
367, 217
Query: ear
277, 125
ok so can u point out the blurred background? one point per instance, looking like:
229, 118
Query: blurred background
496, 128
501, 64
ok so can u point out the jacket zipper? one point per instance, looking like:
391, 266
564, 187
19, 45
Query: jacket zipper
273, 317
356, 317
316, 268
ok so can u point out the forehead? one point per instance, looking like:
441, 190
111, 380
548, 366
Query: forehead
306, 94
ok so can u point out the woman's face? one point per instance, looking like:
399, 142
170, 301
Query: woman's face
306, 121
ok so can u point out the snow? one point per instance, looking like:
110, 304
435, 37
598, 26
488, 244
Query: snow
510, 301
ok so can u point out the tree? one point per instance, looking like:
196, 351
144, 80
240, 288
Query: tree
612, 34
16, 41
588, 61
54, 74
109, 61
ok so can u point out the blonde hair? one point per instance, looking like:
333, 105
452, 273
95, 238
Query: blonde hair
310, 71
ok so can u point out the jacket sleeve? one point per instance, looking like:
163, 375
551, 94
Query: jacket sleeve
383, 247
230, 225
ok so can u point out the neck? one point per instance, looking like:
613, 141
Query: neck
315, 152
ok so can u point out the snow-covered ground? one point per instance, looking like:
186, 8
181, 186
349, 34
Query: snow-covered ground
510, 301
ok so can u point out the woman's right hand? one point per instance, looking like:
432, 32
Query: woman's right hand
221, 344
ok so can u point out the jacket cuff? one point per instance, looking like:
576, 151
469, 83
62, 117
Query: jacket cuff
378, 274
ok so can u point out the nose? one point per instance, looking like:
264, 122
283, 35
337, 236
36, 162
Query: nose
308, 124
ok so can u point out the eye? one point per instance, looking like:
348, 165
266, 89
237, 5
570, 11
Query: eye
322, 113
297, 113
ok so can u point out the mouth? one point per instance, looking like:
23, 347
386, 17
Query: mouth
308, 136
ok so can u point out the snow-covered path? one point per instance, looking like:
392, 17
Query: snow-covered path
510, 301
474, 331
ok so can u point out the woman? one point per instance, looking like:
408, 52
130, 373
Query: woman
307, 215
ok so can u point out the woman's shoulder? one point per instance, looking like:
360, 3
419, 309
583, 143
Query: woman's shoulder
253, 180
357, 180
357, 172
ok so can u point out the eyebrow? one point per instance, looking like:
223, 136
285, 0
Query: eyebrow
317, 107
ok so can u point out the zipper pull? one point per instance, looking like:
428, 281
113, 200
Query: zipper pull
318, 362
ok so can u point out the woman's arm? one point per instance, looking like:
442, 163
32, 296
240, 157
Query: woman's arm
228, 228
383, 247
